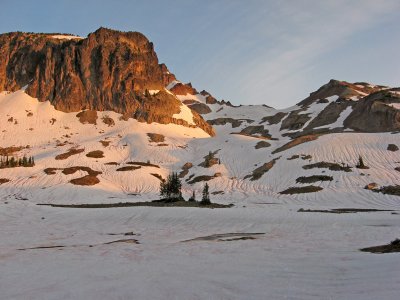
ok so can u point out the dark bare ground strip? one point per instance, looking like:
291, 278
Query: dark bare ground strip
222, 237
392, 247
129, 241
156, 203
342, 210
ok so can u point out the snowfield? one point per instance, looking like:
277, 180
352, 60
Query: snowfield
261, 248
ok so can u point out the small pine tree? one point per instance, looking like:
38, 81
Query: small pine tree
193, 197
361, 164
24, 161
171, 188
205, 200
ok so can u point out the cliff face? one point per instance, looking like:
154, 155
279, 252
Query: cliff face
108, 70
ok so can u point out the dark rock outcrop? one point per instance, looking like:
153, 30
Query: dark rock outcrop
223, 121
374, 113
200, 108
183, 89
108, 70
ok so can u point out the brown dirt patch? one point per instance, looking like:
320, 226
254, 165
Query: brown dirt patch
108, 121
10, 150
143, 164
156, 138
297, 141
105, 143
87, 117
90, 179
260, 171
201, 178
393, 247
158, 176
95, 154
112, 163
301, 190
128, 168
314, 178
328, 165
262, 144
4, 180
275, 119
85, 180
51, 171
70, 152
185, 169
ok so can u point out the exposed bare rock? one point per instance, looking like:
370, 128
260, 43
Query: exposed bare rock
4, 180
301, 190
296, 141
255, 131
372, 186
262, 144
88, 117
183, 89
10, 150
156, 137
190, 101
260, 171
95, 154
185, 169
313, 178
295, 120
128, 168
90, 179
158, 176
143, 164
329, 114
108, 70
392, 147
70, 152
108, 121
374, 113
235, 122
105, 143
328, 165
342, 89
200, 108
275, 119
201, 178
209, 98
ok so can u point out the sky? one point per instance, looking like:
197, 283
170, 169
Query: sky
247, 52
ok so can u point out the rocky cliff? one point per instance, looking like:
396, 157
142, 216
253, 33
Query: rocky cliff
108, 70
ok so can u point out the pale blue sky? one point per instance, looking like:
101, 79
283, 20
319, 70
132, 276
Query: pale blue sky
248, 52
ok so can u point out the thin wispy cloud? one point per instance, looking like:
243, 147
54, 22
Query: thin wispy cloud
249, 52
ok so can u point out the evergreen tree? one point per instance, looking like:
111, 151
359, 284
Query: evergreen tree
193, 197
24, 161
171, 188
205, 200
361, 164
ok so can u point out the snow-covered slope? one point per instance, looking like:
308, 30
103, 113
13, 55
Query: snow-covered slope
262, 248
45, 133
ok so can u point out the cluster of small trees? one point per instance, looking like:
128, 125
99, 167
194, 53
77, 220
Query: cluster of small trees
170, 190
12, 162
